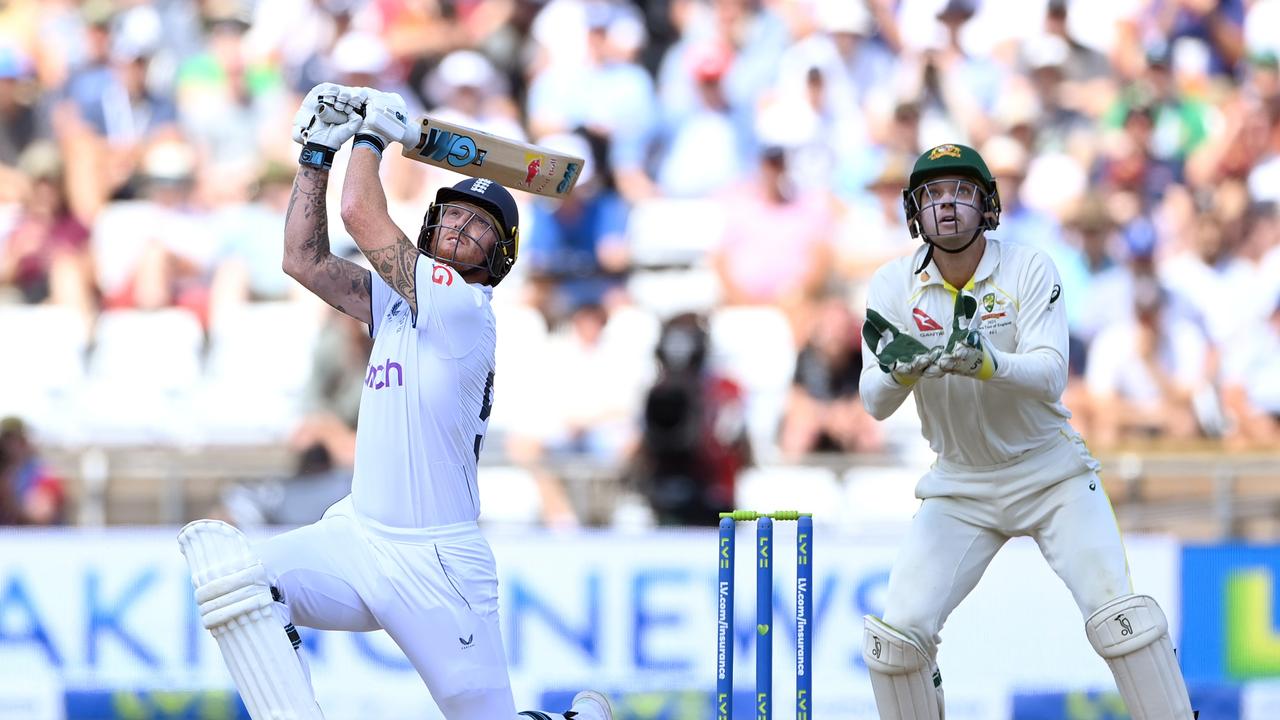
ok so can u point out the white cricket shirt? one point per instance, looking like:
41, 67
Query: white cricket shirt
425, 406
976, 425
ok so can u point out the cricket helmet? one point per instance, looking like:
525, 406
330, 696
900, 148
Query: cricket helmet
494, 199
950, 160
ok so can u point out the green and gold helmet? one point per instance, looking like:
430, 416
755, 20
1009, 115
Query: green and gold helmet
951, 160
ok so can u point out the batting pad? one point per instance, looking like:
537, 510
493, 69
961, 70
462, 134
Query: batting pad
236, 606
905, 686
1132, 635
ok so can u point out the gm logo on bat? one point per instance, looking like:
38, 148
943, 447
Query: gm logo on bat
456, 149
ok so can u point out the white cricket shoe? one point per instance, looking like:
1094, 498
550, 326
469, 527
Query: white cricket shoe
591, 705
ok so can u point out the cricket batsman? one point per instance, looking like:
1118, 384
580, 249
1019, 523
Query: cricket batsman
403, 552
974, 328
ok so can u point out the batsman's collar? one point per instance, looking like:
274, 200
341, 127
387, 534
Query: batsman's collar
986, 267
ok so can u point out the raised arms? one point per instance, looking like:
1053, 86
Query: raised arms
364, 213
307, 258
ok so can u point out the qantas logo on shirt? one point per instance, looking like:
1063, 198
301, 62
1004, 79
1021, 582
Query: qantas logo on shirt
925, 323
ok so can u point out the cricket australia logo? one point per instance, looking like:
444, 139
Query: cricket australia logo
944, 151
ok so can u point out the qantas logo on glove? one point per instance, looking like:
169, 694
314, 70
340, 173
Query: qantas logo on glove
925, 323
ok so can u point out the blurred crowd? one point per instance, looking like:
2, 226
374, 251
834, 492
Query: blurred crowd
743, 154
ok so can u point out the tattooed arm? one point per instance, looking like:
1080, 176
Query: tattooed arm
307, 259
364, 213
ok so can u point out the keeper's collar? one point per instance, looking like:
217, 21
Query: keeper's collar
932, 276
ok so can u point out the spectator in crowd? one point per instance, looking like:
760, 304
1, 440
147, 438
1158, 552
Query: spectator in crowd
157, 251
46, 255
23, 111
704, 148
1251, 383
1213, 28
247, 266
584, 411
30, 492
1144, 373
694, 435
824, 412
300, 499
873, 231
576, 251
776, 246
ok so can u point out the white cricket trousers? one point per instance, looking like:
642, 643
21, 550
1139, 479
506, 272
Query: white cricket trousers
953, 539
434, 590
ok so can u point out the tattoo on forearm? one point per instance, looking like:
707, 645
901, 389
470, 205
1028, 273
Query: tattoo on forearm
341, 283
396, 263
309, 198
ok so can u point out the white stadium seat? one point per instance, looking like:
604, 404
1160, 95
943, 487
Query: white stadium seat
754, 345
789, 487
509, 494
671, 292
673, 231
143, 371
520, 362
42, 365
259, 362
880, 494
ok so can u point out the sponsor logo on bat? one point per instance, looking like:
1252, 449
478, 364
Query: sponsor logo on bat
533, 163
539, 166
570, 173
456, 149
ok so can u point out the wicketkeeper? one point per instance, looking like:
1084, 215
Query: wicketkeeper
403, 552
974, 328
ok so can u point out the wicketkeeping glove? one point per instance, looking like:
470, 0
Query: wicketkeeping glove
902, 356
966, 350
325, 121
386, 120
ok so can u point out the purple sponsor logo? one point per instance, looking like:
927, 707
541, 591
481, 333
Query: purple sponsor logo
381, 376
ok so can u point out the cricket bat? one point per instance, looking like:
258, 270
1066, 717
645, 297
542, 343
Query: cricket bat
511, 163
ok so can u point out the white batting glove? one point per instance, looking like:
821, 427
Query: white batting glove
325, 121
386, 120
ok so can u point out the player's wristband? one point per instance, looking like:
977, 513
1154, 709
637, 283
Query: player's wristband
373, 141
316, 156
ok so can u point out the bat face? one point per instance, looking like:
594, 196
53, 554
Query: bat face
516, 165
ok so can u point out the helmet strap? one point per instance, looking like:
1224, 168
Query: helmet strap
928, 255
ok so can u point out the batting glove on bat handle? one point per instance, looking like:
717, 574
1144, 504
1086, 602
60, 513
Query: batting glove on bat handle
385, 121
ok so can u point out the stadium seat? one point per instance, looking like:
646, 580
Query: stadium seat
143, 371
520, 363
754, 345
632, 333
508, 494
789, 487
671, 292
259, 362
880, 494
666, 232
41, 366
